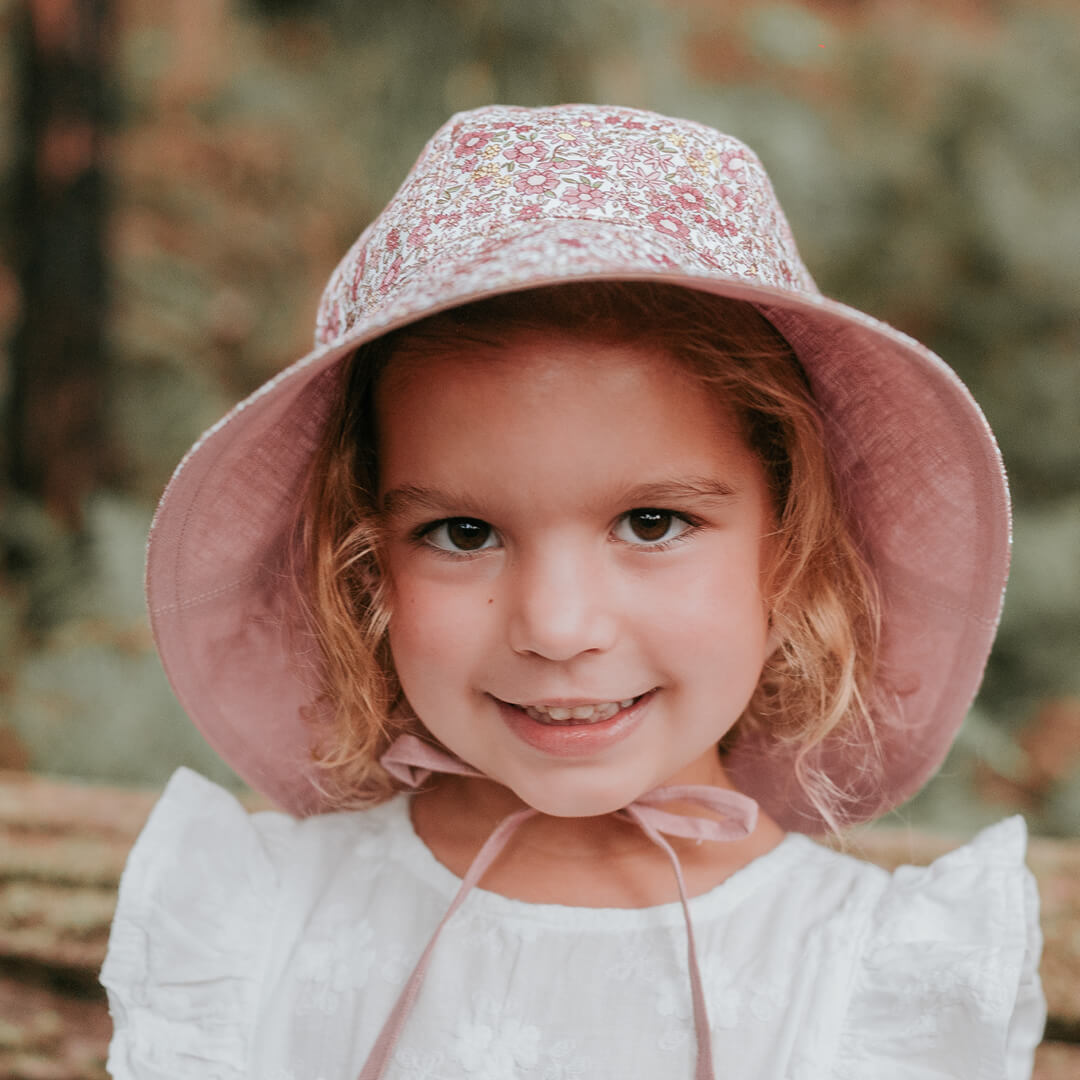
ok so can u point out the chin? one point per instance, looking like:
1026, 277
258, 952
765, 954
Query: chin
576, 801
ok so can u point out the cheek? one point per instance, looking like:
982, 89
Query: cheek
434, 632
713, 597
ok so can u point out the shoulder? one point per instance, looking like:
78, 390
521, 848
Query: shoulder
195, 902
198, 920
197, 825
946, 972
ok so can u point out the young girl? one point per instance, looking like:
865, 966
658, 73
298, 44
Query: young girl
590, 560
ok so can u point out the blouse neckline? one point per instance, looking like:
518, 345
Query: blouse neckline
406, 847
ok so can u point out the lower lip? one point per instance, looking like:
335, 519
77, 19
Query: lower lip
574, 740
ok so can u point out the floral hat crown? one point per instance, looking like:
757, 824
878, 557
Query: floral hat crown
651, 184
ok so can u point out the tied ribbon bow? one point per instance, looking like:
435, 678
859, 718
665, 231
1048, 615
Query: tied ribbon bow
412, 761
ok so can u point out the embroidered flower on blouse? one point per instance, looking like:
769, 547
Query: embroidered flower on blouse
334, 960
638, 960
411, 1064
395, 963
732, 999
496, 1051
483, 931
562, 1063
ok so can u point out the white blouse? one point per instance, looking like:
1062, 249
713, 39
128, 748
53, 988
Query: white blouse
262, 947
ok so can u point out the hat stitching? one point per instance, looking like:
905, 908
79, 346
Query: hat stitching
210, 594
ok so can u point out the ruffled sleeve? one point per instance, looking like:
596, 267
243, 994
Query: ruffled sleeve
189, 939
947, 981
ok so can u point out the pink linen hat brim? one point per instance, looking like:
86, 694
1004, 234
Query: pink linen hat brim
913, 455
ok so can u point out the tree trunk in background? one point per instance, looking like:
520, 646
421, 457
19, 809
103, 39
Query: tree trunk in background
58, 355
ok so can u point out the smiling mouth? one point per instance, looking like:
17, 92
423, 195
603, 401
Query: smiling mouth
567, 715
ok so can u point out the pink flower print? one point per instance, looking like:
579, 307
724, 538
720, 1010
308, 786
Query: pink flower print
611, 119
419, 234
449, 220
525, 153
650, 179
393, 238
654, 155
584, 195
633, 125
468, 166
333, 323
727, 227
622, 158
482, 179
734, 197
537, 180
358, 274
391, 275
502, 125
528, 213
666, 222
478, 207
470, 143
690, 197
664, 260
733, 162
595, 172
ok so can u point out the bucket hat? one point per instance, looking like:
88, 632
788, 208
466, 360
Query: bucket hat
509, 198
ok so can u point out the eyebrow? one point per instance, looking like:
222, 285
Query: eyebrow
682, 489
413, 498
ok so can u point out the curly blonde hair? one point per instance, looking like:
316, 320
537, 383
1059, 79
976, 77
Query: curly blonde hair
820, 589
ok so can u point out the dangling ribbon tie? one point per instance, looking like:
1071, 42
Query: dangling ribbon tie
412, 761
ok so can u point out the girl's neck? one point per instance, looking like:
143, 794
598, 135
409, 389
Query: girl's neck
601, 861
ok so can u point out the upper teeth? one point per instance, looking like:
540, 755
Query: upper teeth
594, 713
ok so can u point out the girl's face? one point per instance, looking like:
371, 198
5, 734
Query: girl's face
576, 540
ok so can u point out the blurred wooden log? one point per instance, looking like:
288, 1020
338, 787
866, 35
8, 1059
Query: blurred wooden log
63, 846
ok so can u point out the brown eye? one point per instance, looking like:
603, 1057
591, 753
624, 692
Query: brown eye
461, 534
649, 525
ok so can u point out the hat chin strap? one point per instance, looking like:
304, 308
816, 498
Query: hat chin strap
412, 761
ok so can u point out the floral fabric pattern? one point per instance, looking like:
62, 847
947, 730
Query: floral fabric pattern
552, 181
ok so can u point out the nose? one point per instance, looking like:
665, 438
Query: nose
560, 606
